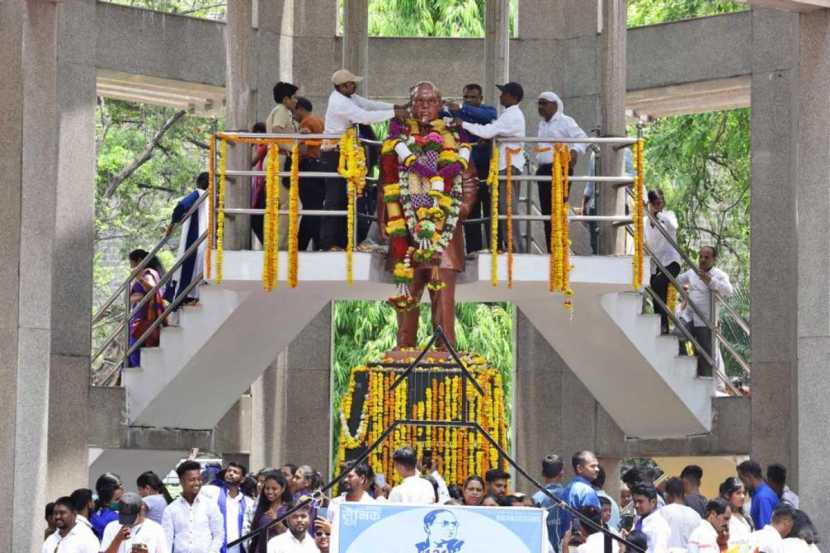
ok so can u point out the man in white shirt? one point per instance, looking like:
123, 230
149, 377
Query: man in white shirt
553, 123
84, 505
193, 523
414, 490
511, 123
650, 521
354, 487
70, 536
345, 109
704, 538
682, 519
297, 539
662, 250
770, 538
236, 509
702, 282
133, 528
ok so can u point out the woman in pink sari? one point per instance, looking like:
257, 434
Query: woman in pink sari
142, 319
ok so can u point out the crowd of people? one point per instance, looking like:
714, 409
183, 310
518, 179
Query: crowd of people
281, 510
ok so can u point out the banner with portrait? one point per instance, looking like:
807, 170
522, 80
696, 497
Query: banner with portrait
393, 528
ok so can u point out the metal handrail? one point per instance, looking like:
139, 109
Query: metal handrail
698, 349
164, 280
144, 262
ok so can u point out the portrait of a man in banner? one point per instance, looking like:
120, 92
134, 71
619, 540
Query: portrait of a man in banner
387, 528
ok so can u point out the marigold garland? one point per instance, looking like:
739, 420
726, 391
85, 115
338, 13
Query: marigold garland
352, 167
508, 208
493, 181
556, 223
211, 205
220, 224
270, 259
566, 241
671, 298
638, 215
293, 215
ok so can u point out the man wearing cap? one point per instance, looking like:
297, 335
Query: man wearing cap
511, 123
554, 124
133, 530
345, 109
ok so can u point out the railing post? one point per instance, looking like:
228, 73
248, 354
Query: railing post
528, 210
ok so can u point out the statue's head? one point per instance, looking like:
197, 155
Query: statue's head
426, 102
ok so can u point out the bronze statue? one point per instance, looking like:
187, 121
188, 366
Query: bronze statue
427, 190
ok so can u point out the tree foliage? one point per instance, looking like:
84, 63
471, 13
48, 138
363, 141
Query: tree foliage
210, 9
648, 12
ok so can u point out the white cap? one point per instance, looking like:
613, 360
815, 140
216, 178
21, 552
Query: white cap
343, 76
549, 96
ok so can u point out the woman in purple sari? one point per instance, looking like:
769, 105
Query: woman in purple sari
141, 320
273, 503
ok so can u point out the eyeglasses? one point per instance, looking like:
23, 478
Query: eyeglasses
323, 534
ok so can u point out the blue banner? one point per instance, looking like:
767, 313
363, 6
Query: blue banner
393, 528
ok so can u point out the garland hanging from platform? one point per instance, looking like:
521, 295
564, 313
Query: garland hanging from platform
220, 223
293, 215
560, 243
270, 257
458, 452
352, 167
493, 182
211, 205
639, 240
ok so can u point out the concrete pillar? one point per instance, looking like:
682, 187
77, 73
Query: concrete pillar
73, 249
267, 421
240, 114
813, 215
775, 301
28, 165
496, 47
355, 53
612, 109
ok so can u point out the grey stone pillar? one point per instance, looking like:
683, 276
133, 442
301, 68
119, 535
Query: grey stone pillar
775, 300
612, 105
73, 249
355, 53
240, 113
28, 165
267, 421
496, 47
813, 205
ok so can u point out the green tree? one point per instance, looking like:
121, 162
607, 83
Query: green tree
649, 12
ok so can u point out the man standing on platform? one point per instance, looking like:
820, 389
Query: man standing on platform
192, 228
345, 109
474, 111
554, 124
511, 123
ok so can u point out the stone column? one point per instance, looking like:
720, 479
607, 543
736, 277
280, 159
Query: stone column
239, 115
28, 164
612, 109
496, 48
73, 249
813, 216
355, 53
775, 298
268, 421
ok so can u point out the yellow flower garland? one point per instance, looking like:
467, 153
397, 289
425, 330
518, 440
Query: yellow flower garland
566, 241
211, 204
638, 215
493, 181
509, 210
352, 167
293, 215
671, 298
270, 259
220, 225
556, 223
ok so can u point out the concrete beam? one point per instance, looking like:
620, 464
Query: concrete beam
790, 5
700, 97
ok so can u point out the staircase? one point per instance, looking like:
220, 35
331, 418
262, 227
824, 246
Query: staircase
223, 344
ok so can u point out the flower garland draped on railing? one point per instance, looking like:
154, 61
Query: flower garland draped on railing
508, 209
352, 167
560, 243
220, 223
293, 215
211, 205
271, 238
493, 182
458, 452
639, 183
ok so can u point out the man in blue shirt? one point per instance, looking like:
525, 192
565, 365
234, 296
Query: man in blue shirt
579, 492
764, 500
552, 472
473, 111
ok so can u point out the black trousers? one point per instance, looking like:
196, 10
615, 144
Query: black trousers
333, 229
312, 195
257, 221
703, 335
660, 284
477, 235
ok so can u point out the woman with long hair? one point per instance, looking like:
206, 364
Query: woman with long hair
142, 319
803, 537
740, 525
109, 490
473, 491
273, 502
155, 494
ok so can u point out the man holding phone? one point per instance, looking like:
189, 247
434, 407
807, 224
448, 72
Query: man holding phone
133, 532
